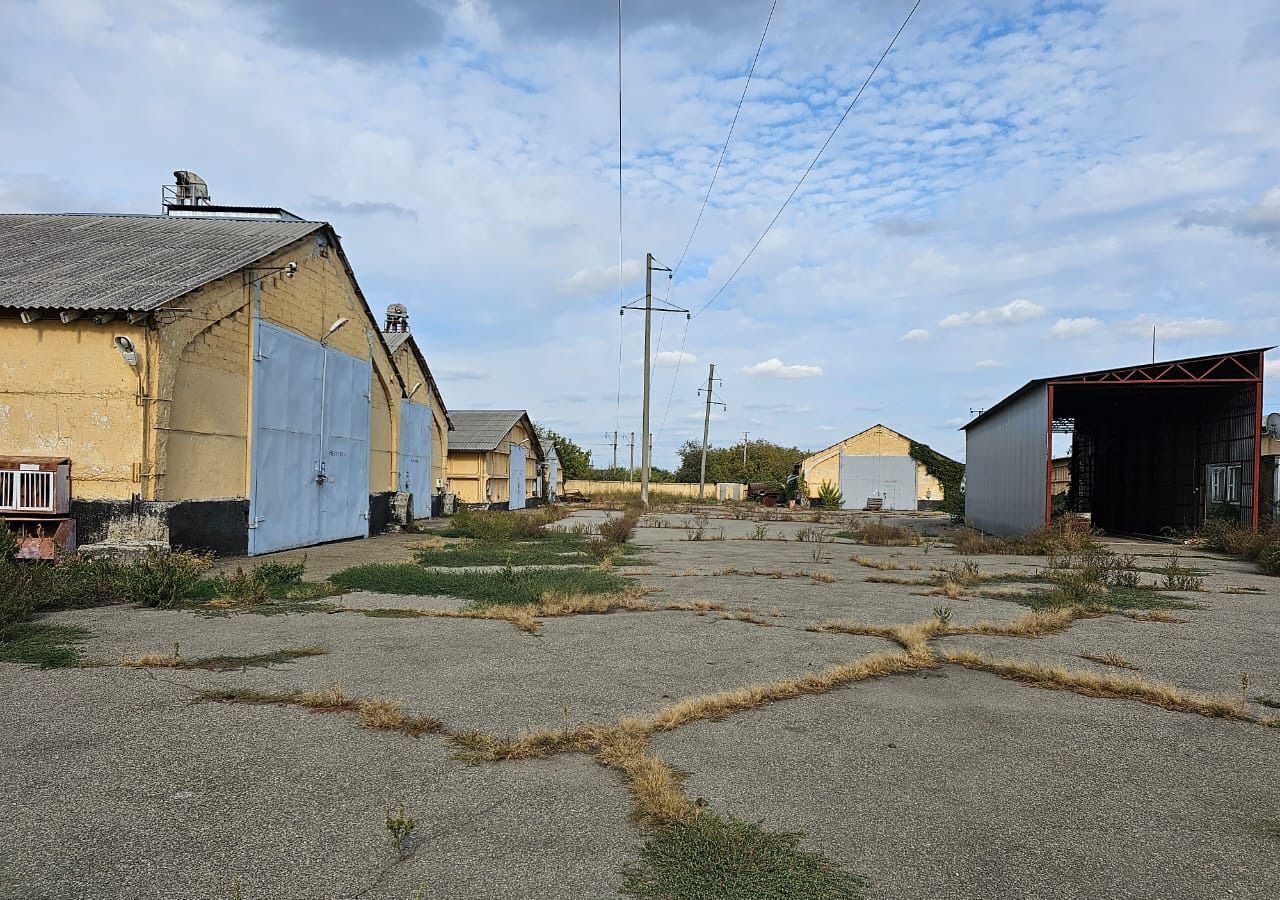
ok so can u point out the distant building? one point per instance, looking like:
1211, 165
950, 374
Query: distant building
495, 459
874, 470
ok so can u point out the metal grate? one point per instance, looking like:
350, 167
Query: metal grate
26, 492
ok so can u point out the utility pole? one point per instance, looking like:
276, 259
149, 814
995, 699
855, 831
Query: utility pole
706, 429
744, 449
631, 469
646, 440
615, 449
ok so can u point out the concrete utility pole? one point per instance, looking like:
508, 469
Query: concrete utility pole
646, 440
706, 429
615, 449
631, 469
744, 448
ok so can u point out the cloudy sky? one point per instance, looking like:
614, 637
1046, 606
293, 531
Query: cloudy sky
1025, 189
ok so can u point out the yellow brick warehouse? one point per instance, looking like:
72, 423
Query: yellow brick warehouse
178, 425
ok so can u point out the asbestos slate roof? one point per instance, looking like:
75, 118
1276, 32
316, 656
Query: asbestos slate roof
127, 263
395, 339
481, 430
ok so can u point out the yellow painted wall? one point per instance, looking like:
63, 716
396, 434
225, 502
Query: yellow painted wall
66, 391
466, 475
875, 441
411, 373
208, 424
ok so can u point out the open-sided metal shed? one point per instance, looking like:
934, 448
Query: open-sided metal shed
1155, 447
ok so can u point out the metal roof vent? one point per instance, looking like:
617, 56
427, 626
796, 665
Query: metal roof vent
397, 319
188, 189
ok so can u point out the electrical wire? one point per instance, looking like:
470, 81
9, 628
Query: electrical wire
617, 422
724, 149
813, 163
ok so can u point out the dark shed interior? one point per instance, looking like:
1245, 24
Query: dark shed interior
1161, 448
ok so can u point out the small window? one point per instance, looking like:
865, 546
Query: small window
1224, 484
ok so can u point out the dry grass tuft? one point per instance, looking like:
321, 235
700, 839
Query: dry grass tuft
1034, 624
913, 637
1154, 615
1110, 659
429, 543
897, 579
883, 565
1094, 684
155, 661
333, 698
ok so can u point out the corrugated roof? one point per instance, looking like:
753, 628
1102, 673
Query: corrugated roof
135, 263
1094, 377
395, 339
481, 430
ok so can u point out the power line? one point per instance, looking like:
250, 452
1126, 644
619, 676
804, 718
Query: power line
621, 282
728, 137
675, 377
813, 163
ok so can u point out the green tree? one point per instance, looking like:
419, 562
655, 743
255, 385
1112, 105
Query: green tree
575, 461
766, 461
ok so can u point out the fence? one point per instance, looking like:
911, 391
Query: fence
680, 489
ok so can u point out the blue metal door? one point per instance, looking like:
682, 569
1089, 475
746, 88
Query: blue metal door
553, 475
415, 456
309, 471
891, 478
344, 451
516, 478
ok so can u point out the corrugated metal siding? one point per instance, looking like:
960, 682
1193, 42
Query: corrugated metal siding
1006, 460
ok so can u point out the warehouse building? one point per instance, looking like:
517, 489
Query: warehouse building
214, 375
424, 420
1155, 448
875, 469
495, 459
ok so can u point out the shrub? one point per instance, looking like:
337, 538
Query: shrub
160, 579
8, 544
830, 496
1269, 559
1066, 535
619, 529
880, 534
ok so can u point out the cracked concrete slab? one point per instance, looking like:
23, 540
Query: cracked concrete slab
127, 790
961, 786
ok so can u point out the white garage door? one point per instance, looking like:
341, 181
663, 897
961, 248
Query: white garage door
892, 479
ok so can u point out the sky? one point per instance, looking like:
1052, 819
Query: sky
1024, 189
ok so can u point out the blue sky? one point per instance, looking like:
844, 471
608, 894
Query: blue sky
1024, 190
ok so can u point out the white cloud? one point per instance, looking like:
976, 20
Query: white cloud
915, 334
1178, 329
604, 279
775, 368
957, 421
672, 357
1074, 328
1012, 313
824, 428
987, 364
1271, 368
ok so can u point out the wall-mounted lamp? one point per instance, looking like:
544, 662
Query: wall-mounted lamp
127, 350
289, 269
416, 387
333, 329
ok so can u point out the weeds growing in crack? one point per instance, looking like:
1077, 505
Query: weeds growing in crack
1109, 659
1119, 687
400, 828
883, 565
220, 663
371, 713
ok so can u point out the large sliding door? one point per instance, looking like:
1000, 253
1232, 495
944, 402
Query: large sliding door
309, 472
515, 480
415, 456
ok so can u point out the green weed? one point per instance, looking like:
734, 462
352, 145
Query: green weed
508, 586
44, 644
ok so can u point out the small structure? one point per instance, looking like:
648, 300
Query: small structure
1155, 447
1271, 470
495, 458
874, 469
35, 504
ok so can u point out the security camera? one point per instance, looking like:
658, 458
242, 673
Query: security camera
127, 350
290, 270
